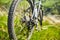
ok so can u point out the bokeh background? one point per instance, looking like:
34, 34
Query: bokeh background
51, 20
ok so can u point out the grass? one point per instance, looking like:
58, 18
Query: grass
52, 33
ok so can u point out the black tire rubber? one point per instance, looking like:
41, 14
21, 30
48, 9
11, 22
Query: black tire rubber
11, 31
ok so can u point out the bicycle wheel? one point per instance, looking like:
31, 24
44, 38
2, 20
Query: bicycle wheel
15, 27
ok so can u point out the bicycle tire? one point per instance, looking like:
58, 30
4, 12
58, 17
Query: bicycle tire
12, 35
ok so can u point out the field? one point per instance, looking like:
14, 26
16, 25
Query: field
49, 32
50, 28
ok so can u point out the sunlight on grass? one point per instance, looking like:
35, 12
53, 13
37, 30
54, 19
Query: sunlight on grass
51, 33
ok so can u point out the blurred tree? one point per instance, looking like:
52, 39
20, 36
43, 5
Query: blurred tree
51, 6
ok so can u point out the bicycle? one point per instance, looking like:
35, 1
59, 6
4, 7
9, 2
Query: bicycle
36, 11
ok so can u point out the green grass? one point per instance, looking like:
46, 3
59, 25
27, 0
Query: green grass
52, 33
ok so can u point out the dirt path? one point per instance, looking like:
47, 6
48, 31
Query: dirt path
52, 19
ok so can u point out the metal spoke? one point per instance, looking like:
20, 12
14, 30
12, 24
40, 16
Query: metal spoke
30, 34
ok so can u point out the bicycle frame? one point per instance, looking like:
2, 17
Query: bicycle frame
35, 6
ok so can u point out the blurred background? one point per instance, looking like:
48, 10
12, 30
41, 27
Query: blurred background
51, 20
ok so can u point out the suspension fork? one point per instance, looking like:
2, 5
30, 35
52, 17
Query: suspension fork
31, 4
40, 12
34, 10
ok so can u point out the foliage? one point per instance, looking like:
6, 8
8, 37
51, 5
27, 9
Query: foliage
51, 6
52, 33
